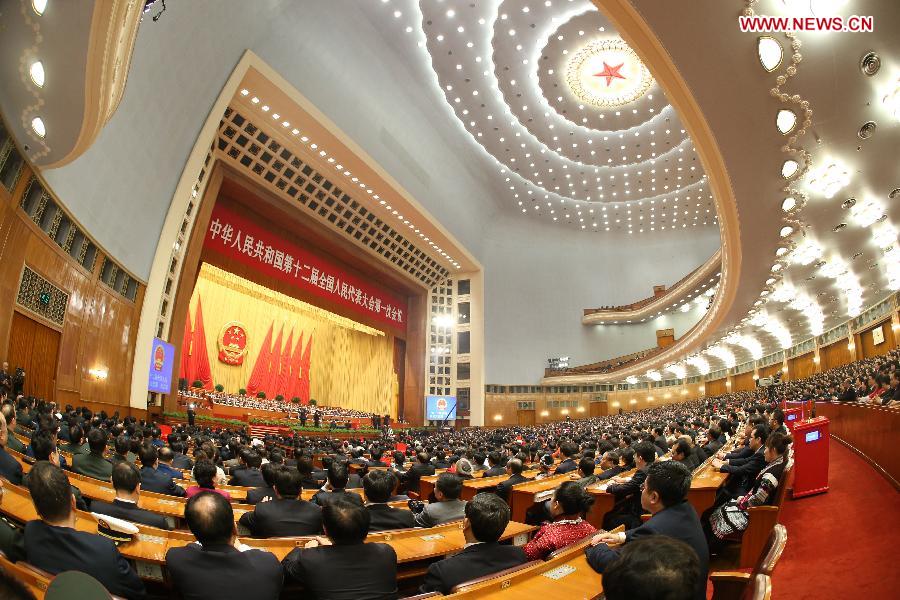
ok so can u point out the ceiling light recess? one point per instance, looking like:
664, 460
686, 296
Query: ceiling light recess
770, 52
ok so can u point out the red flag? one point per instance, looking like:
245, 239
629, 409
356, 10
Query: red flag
274, 364
294, 379
185, 371
261, 366
199, 355
304, 375
284, 368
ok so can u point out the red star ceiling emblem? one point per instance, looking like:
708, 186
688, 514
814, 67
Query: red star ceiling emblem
610, 73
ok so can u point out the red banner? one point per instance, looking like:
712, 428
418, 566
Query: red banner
242, 240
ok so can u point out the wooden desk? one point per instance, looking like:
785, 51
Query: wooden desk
704, 486
427, 482
524, 495
148, 549
603, 500
581, 583
487, 484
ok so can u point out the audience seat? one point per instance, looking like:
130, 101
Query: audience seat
762, 521
75, 584
467, 585
36, 580
761, 588
735, 585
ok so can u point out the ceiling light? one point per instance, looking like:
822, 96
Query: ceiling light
827, 180
789, 204
39, 6
867, 211
884, 235
654, 375
781, 251
786, 231
785, 120
631, 379
37, 73
806, 252
891, 100
770, 52
37, 124
789, 168
686, 307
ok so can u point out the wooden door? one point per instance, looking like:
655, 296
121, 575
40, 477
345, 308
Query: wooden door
34, 347
525, 418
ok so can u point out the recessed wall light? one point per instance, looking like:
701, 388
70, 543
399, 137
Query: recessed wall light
770, 52
39, 6
785, 121
37, 124
789, 168
37, 73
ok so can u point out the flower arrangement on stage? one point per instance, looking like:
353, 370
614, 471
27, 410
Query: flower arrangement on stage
206, 419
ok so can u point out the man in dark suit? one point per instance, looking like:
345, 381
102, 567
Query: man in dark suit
660, 439
514, 468
126, 480
681, 452
153, 480
379, 486
123, 451
627, 508
166, 458
848, 393
664, 496
93, 464
9, 466
715, 440
486, 518
495, 470
249, 475
422, 468
376, 461
744, 470
568, 450
286, 515
54, 545
12, 442
653, 567
344, 567
219, 566
336, 484
181, 461
267, 492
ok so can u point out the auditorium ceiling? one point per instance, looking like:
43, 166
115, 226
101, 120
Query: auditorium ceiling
540, 109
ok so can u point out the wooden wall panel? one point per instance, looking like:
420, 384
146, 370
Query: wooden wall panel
743, 382
873, 432
835, 355
100, 325
716, 387
869, 349
34, 346
771, 370
801, 367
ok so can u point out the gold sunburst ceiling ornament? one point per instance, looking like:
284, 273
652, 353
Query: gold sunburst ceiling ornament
607, 74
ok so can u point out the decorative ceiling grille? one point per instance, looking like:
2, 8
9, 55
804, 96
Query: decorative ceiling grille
265, 159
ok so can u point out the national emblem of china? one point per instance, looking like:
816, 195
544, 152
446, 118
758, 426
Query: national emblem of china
232, 344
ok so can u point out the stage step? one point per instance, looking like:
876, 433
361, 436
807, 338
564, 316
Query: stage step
261, 431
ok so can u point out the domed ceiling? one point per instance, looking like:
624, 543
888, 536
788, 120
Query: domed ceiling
577, 129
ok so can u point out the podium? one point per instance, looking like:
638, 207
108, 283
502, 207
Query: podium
792, 416
811, 440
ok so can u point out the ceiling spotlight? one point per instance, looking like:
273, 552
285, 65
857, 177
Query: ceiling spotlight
770, 52
37, 73
786, 231
838, 227
867, 130
37, 124
789, 204
848, 203
789, 168
39, 6
806, 252
866, 212
785, 120
870, 63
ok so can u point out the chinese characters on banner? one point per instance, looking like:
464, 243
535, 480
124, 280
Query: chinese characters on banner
242, 240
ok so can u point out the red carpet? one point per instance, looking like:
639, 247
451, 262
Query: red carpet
842, 544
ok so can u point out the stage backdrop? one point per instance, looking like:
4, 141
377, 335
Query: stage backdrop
332, 359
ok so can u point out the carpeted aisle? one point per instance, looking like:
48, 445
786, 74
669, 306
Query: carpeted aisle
842, 544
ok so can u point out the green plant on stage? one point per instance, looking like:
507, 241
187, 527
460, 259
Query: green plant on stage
197, 384
313, 402
220, 388
207, 419
279, 398
242, 392
261, 395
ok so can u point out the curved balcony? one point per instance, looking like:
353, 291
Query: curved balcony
605, 366
696, 280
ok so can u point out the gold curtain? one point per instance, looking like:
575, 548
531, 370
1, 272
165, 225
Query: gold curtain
351, 364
